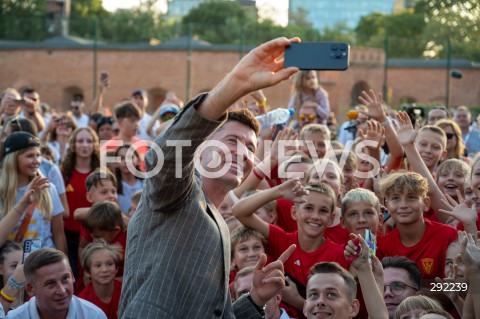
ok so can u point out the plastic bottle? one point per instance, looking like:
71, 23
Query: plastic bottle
277, 116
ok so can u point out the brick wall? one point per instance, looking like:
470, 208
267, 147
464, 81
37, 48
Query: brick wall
58, 73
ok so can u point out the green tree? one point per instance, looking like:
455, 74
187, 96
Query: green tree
217, 21
23, 20
83, 15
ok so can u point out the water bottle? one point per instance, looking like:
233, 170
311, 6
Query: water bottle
277, 116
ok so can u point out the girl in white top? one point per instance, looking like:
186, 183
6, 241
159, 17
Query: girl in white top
22, 186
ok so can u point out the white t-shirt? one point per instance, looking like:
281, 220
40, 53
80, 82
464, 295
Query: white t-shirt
81, 121
125, 199
142, 127
39, 227
78, 309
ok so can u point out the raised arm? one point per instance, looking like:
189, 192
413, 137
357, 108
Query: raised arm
244, 210
406, 135
375, 110
259, 69
371, 294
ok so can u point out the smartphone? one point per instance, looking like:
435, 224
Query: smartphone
318, 55
103, 76
371, 241
21, 101
29, 246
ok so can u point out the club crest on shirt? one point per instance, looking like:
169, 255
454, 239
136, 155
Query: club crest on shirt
427, 264
297, 262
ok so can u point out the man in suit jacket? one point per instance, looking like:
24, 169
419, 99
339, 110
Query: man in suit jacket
178, 250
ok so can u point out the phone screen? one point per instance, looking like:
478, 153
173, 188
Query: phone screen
29, 246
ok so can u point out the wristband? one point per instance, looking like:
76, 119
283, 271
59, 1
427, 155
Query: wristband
385, 123
9, 299
14, 284
257, 175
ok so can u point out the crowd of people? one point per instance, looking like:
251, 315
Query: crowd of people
375, 217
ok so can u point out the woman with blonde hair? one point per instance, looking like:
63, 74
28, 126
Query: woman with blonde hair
455, 146
30, 207
57, 135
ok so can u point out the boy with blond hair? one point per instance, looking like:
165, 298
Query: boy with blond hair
419, 239
317, 135
361, 211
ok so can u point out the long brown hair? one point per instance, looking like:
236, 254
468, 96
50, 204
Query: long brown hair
70, 161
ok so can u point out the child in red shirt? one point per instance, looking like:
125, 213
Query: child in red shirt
423, 241
100, 261
312, 212
328, 172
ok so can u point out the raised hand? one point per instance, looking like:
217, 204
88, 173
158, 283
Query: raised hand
406, 134
263, 66
356, 251
452, 294
32, 195
269, 280
460, 211
283, 141
374, 105
470, 253
292, 190
374, 132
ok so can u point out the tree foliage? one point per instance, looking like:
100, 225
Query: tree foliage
22, 20
425, 30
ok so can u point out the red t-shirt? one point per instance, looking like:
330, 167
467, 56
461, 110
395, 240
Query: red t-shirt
429, 253
300, 262
76, 191
337, 234
121, 240
110, 309
284, 215
430, 214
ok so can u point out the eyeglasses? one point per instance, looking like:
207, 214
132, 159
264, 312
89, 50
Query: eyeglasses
310, 117
450, 135
397, 288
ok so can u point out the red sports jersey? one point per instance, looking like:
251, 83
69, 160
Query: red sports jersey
429, 253
300, 262
284, 215
111, 308
430, 214
76, 191
337, 234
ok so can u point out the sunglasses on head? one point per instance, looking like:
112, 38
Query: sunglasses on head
309, 117
450, 135
16, 121
104, 120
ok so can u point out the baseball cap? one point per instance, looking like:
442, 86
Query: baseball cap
169, 108
18, 141
141, 92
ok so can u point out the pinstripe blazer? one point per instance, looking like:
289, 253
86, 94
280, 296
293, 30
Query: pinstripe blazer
178, 249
